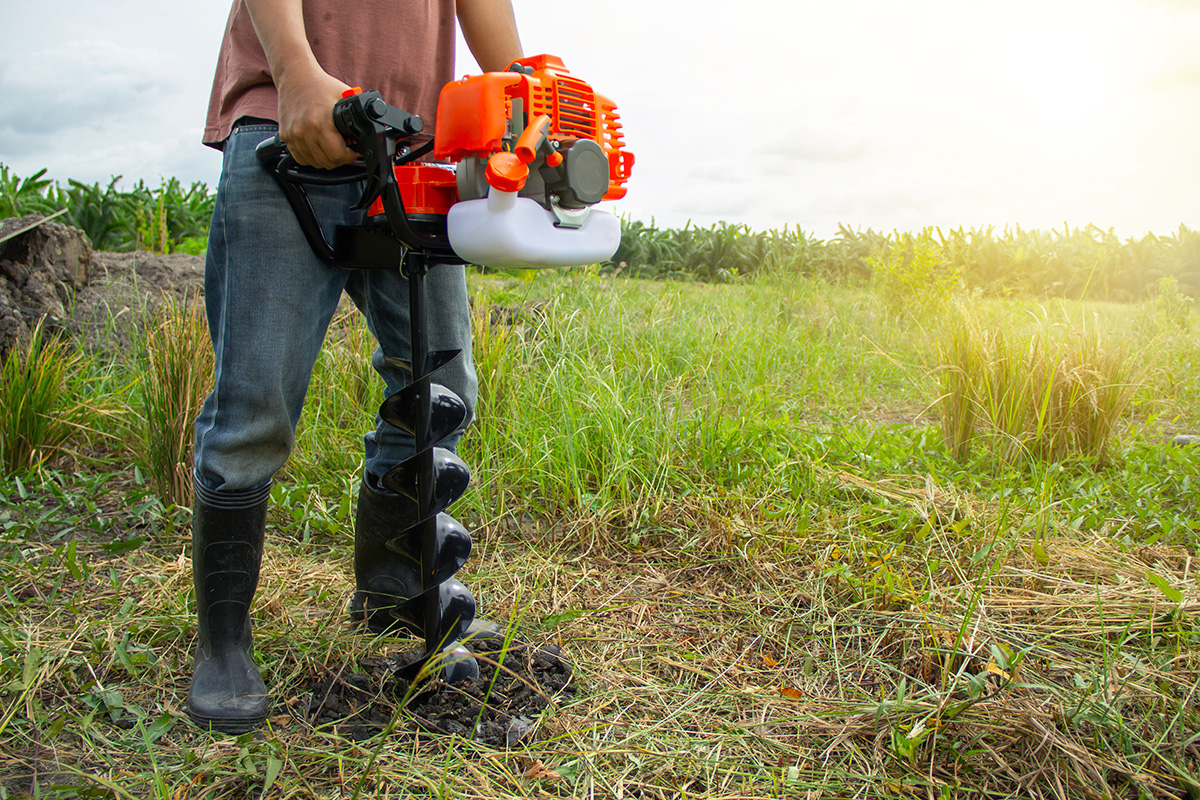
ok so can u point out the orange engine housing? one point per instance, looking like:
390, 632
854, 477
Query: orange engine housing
475, 116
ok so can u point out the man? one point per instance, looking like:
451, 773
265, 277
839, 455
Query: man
282, 66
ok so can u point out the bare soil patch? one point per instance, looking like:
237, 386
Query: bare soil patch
50, 274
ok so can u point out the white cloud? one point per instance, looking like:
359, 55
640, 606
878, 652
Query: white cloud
117, 88
95, 85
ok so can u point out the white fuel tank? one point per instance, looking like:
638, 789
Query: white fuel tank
505, 230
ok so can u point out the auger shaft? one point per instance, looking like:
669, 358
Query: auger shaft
415, 267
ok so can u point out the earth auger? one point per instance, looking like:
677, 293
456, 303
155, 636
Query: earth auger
534, 148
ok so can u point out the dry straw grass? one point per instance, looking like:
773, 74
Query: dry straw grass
715, 673
179, 374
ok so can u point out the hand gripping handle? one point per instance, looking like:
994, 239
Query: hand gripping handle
376, 131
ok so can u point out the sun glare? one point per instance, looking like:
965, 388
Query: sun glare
1062, 75
1053, 75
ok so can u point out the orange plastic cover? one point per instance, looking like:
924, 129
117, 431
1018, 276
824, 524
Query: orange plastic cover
506, 172
424, 190
473, 115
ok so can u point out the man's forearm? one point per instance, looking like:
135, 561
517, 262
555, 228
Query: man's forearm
280, 28
306, 92
490, 29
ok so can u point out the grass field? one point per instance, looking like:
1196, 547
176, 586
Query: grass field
735, 509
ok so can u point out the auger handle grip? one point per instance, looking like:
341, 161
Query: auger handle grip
357, 116
274, 155
375, 130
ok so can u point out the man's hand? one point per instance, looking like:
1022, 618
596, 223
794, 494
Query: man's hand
307, 93
306, 119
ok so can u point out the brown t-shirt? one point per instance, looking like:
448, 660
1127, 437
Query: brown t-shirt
403, 48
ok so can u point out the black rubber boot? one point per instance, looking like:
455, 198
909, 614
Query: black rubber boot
228, 694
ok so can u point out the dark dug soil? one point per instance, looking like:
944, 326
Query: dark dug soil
499, 708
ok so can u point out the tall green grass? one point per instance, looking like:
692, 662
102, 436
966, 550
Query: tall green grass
733, 509
1057, 392
607, 394
598, 392
45, 406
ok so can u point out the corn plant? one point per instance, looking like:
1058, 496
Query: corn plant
104, 215
20, 196
167, 216
161, 220
1077, 263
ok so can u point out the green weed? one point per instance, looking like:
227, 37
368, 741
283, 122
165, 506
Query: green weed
913, 276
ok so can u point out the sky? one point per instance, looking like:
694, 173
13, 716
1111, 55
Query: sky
864, 113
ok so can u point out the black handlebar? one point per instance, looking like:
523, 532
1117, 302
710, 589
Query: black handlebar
384, 136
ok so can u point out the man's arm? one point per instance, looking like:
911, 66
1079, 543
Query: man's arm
306, 92
490, 28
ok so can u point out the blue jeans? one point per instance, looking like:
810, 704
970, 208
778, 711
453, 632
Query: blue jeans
269, 300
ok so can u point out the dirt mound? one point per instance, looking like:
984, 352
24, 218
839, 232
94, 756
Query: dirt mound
127, 288
49, 273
